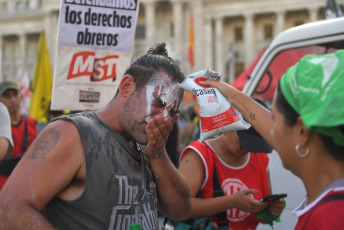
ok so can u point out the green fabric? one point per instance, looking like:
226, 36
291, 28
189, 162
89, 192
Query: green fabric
314, 87
135, 226
269, 218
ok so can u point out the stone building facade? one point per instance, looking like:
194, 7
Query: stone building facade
224, 30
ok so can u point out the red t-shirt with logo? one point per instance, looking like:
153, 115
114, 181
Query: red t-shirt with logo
326, 212
251, 175
18, 133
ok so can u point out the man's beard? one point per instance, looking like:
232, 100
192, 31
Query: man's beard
131, 122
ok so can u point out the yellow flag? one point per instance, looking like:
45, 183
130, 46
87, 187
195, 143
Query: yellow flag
41, 86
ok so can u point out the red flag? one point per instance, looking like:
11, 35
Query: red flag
191, 41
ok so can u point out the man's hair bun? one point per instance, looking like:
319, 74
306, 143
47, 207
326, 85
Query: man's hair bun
159, 49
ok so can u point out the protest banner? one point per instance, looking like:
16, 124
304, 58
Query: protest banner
95, 41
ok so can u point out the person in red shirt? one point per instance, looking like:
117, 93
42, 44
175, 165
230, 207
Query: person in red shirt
241, 164
23, 127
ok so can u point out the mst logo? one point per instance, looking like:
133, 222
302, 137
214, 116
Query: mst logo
86, 64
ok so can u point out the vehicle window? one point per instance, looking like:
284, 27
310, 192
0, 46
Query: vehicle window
279, 66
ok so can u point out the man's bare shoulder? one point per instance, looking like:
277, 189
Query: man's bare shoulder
56, 136
49, 166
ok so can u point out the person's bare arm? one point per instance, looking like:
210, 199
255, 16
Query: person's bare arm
258, 116
6, 142
173, 191
192, 168
4, 145
47, 168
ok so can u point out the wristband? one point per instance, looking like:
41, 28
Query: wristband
152, 156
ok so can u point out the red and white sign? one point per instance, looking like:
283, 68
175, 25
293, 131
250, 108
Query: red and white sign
95, 41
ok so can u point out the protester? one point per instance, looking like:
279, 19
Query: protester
241, 164
6, 142
306, 127
23, 128
105, 169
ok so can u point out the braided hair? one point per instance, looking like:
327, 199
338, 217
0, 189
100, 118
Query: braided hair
155, 60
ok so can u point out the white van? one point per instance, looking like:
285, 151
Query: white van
318, 37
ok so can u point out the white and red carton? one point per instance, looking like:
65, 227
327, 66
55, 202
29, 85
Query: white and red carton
217, 115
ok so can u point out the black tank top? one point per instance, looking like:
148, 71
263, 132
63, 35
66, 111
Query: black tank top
120, 189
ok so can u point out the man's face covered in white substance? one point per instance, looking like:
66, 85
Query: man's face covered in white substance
160, 97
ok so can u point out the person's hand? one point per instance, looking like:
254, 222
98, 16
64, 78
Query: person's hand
157, 131
224, 88
276, 207
246, 203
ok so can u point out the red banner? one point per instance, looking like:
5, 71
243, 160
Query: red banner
191, 45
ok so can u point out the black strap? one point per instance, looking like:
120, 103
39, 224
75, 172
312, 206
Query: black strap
8, 163
217, 191
25, 138
327, 199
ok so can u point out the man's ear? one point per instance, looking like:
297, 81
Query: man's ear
126, 86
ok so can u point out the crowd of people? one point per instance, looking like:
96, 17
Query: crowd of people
127, 162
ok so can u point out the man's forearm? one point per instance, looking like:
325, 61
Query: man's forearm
173, 191
13, 218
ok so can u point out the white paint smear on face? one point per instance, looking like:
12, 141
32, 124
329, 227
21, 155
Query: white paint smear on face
168, 92
165, 112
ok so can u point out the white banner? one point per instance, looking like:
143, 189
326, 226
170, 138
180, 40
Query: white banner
95, 41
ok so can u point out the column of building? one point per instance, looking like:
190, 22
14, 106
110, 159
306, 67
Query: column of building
280, 21
177, 8
249, 39
208, 41
313, 14
10, 8
48, 21
150, 21
1, 50
22, 51
218, 45
33, 4
198, 34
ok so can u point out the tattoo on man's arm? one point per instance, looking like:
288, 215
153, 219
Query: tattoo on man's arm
252, 116
45, 143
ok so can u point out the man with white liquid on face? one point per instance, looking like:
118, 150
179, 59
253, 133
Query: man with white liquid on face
106, 169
